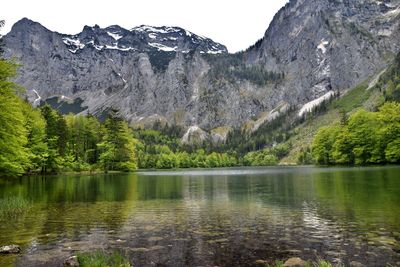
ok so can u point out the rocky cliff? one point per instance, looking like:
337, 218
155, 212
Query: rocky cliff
311, 49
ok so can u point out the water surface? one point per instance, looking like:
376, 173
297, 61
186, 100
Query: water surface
216, 217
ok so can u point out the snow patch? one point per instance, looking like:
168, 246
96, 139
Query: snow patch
322, 46
73, 42
119, 74
214, 52
38, 97
116, 36
115, 47
323, 70
63, 97
152, 35
163, 47
308, 107
151, 29
392, 13
98, 47
188, 33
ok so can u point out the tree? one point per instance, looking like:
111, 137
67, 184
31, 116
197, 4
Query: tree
323, 144
13, 136
14, 158
118, 145
54, 130
389, 134
37, 147
363, 128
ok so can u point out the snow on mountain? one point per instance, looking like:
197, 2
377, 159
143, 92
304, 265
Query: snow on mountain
142, 38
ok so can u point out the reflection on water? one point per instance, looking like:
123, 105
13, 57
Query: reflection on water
227, 217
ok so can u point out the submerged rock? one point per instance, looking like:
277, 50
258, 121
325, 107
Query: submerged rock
356, 264
11, 249
260, 263
294, 262
71, 262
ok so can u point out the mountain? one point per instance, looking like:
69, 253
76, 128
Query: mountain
326, 45
312, 50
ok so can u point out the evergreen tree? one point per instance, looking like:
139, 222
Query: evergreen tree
35, 126
118, 145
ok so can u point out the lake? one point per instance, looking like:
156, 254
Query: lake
212, 217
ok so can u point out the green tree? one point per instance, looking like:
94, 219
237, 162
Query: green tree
323, 144
54, 161
363, 128
14, 156
37, 147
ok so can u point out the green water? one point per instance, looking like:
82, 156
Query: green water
225, 217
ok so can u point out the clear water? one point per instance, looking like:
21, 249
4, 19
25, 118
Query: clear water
218, 217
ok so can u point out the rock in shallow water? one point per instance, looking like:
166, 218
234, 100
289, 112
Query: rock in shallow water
71, 262
11, 249
294, 262
356, 264
260, 263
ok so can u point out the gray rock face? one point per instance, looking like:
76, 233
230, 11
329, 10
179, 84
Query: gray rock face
325, 45
167, 73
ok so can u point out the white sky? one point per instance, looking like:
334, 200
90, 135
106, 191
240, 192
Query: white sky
235, 23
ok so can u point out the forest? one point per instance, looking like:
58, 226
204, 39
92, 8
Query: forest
364, 138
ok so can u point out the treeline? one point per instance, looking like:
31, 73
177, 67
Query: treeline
266, 156
365, 138
269, 134
41, 140
160, 148
232, 68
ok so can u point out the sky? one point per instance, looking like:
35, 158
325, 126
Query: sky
236, 23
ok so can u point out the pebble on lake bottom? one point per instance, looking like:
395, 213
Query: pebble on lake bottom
11, 249
294, 262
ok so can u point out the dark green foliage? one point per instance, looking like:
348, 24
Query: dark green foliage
117, 149
256, 45
84, 134
160, 59
231, 68
305, 157
275, 132
65, 107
